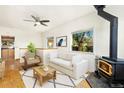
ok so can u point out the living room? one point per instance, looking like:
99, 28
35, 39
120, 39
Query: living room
22, 23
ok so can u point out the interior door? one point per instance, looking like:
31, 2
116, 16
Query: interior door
7, 50
4, 54
11, 55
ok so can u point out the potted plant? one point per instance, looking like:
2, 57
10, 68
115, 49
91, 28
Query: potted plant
31, 49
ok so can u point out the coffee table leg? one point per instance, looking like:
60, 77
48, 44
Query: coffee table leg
54, 76
34, 74
41, 80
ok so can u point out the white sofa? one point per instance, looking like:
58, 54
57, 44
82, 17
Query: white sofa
70, 64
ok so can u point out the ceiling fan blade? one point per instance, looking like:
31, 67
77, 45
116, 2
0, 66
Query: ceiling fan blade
45, 21
43, 24
29, 20
34, 18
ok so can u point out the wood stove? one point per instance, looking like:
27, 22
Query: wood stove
112, 68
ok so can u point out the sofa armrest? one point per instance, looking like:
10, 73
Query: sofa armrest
53, 55
76, 58
80, 68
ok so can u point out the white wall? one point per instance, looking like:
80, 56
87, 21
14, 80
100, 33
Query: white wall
101, 31
22, 38
117, 10
90, 21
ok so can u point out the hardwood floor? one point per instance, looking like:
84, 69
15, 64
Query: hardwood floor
84, 84
12, 78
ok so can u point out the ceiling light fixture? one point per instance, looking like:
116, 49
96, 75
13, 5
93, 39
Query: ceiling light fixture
38, 23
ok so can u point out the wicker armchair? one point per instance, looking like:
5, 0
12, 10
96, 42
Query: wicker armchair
31, 59
2, 69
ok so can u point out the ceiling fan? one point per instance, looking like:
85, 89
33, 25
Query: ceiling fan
37, 21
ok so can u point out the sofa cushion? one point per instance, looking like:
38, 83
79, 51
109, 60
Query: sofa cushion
66, 56
64, 63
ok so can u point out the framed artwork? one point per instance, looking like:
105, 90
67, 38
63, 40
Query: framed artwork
82, 41
61, 41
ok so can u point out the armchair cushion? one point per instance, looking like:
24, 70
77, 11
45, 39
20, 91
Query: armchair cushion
30, 58
31, 61
29, 55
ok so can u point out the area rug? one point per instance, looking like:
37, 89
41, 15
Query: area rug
95, 82
62, 80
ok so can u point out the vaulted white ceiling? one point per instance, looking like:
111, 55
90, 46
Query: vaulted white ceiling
13, 16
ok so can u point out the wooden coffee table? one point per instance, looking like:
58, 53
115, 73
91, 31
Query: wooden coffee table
39, 73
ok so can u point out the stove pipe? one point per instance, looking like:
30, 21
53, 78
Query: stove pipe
113, 30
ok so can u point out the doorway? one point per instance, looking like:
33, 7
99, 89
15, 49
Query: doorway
7, 49
50, 42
